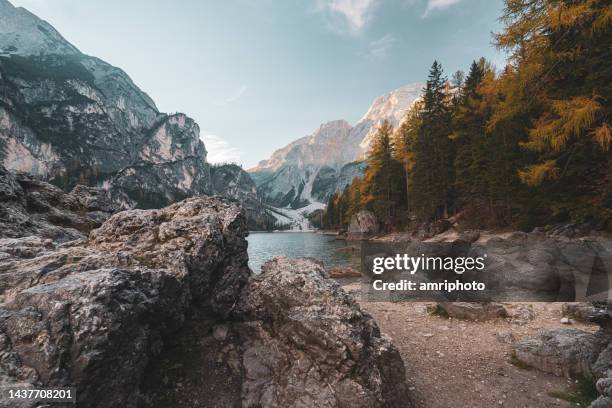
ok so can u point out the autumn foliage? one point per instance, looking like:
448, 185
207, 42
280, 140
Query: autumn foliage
525, 145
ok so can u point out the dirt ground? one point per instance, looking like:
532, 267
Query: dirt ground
457, 363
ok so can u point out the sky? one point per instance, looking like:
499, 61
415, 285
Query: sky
258, 74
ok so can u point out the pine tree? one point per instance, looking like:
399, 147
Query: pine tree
432, 176
383, 187
405, 142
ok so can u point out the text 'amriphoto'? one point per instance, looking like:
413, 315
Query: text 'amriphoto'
306, 204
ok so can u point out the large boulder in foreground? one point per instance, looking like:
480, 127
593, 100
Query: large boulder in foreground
99, 313
306, 343
93, 313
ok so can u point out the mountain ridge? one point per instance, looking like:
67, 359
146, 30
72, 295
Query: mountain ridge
306, 172
71, 118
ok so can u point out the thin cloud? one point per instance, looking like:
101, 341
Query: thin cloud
354, 13
435, 5
234, 97
219, 149
380, 48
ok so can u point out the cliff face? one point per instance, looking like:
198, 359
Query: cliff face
230, 180
71, 118
74, 119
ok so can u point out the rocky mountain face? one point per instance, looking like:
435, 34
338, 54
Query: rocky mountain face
106, 312
309, 170
230, 180
31, 207
74, 119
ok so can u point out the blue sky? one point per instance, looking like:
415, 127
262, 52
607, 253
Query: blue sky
257, 74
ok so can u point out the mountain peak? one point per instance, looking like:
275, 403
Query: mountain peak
22, 33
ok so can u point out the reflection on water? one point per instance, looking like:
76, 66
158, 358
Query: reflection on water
265, 245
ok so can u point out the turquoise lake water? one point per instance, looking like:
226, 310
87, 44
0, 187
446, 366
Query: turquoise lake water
266, 245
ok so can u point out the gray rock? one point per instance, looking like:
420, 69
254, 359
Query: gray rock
33, 207
562, 352
604, 386
602, 402
473, 311
530, 267
363, 225
522, 315
602, 367
580, 311
94, 313
300, 326
230, 180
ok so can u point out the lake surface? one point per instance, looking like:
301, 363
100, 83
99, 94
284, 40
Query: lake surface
265, 245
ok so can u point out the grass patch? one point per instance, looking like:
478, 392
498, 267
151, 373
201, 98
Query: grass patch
515, 361
580, 394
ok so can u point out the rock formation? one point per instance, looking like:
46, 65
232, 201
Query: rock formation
300, 326
31, 207
518, 266
575, 353
93, 313
363, 225
230, 180
96, 312
72, 118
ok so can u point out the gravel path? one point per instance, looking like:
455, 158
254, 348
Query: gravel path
456, 363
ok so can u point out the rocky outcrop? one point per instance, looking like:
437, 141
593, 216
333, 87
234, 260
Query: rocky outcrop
31, 207
575, 353
230, 180
93, 313
562, 352
363, 225
580, 311
519, 266
301, 327
559, 268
